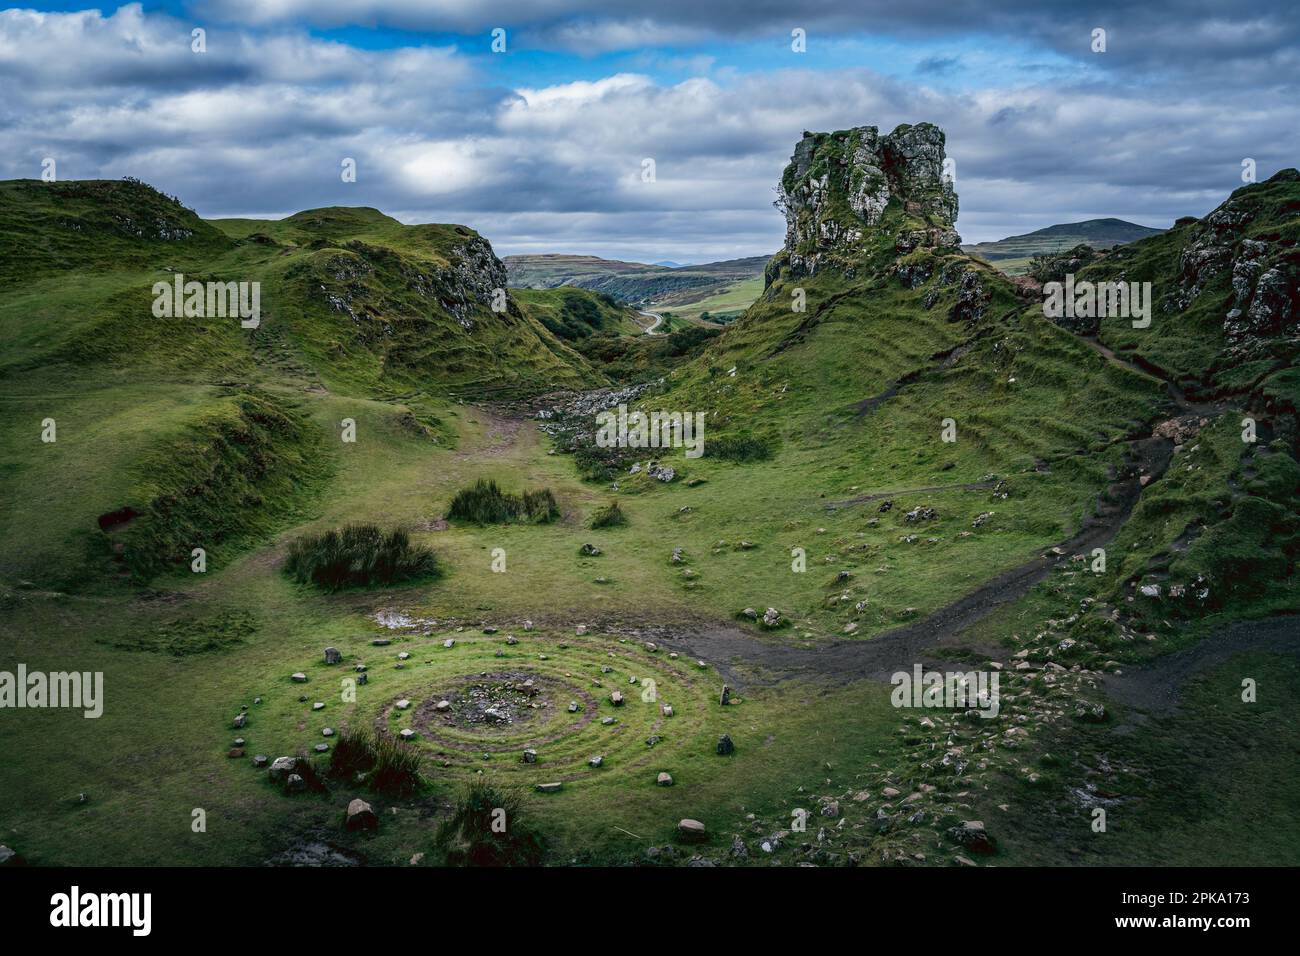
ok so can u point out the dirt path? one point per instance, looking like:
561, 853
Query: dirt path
1156, 688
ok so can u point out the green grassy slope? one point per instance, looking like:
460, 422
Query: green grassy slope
573, 314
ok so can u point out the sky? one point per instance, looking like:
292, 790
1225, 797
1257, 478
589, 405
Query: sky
541, 146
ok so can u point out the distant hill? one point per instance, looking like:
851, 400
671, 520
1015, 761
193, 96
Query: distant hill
637, 283
1013, 253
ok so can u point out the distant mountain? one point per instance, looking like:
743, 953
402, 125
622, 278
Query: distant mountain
1013, 253
669, 264
638, 283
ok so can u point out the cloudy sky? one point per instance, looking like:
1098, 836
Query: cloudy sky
541, 147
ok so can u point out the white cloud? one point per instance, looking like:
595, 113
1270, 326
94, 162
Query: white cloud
262, 120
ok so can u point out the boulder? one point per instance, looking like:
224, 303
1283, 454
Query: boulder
725, 746
550, 787
691, 830
361, 816
530, 756
282, 767
972, 835
616, 698
332, 656
299, 678
664, 779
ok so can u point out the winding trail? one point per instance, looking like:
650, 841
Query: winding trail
738, 653
658, 320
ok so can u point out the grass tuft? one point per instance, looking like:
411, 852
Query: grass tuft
488, 829
361, 555
485, 503
610, 516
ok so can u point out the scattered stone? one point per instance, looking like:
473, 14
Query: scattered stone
299, 678
771, 618
380, 642
530, 756
327, 732
667, 710
972, 835
332, 656
449, 643
235, 752
725, 697
664, 779
361, 816
322, 748
607, 721
616, 698
282, 767
319, 705
691, 830
407, 734
442, 706
240, 721
596, 761
404, 656
549, 787
725, 746
589, 551
295, 784
573, 706
260, 761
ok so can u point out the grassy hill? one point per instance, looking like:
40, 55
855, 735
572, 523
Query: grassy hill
203, 429
573, 314
1012, 254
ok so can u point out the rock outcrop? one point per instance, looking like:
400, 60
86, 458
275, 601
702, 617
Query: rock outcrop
854, 193
1261, 267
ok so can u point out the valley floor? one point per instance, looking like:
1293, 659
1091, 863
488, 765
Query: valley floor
809, 712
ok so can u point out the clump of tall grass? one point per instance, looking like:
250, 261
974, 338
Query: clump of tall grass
389, 766
360, 555
610, 516
485, 503
473, 836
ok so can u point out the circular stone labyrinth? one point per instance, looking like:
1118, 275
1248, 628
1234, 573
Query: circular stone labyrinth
481, 703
